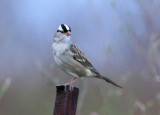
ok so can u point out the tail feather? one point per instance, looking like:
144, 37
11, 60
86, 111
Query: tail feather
110, 81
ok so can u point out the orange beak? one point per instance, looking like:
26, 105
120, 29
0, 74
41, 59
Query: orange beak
68, 33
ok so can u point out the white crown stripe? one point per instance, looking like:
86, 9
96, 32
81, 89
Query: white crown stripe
66, 26
60, 28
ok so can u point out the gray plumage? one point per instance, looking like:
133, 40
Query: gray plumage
71, 59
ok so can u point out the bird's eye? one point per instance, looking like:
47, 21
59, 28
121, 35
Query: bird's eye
60, 31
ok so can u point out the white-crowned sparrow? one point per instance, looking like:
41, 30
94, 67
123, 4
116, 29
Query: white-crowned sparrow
71, 59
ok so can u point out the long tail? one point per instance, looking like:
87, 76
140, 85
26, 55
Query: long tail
109, 81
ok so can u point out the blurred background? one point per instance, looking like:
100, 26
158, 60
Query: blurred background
121, 38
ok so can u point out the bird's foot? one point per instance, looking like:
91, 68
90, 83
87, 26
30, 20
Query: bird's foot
71, 87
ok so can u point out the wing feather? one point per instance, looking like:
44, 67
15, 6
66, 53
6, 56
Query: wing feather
80, 57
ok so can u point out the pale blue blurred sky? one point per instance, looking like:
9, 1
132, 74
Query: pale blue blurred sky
100, 28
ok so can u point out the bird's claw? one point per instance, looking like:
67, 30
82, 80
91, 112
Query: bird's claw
71, 87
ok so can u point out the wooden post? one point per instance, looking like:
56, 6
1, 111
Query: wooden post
66, 101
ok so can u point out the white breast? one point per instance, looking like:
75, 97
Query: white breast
59, 48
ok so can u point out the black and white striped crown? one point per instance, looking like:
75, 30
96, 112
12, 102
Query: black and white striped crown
64, 28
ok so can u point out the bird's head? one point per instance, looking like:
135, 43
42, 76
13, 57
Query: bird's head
63, 33
64, 29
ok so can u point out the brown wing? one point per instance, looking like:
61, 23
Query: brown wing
80, 57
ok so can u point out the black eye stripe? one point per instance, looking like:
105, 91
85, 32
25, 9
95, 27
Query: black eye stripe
60, 31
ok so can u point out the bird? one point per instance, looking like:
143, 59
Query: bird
71, 59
